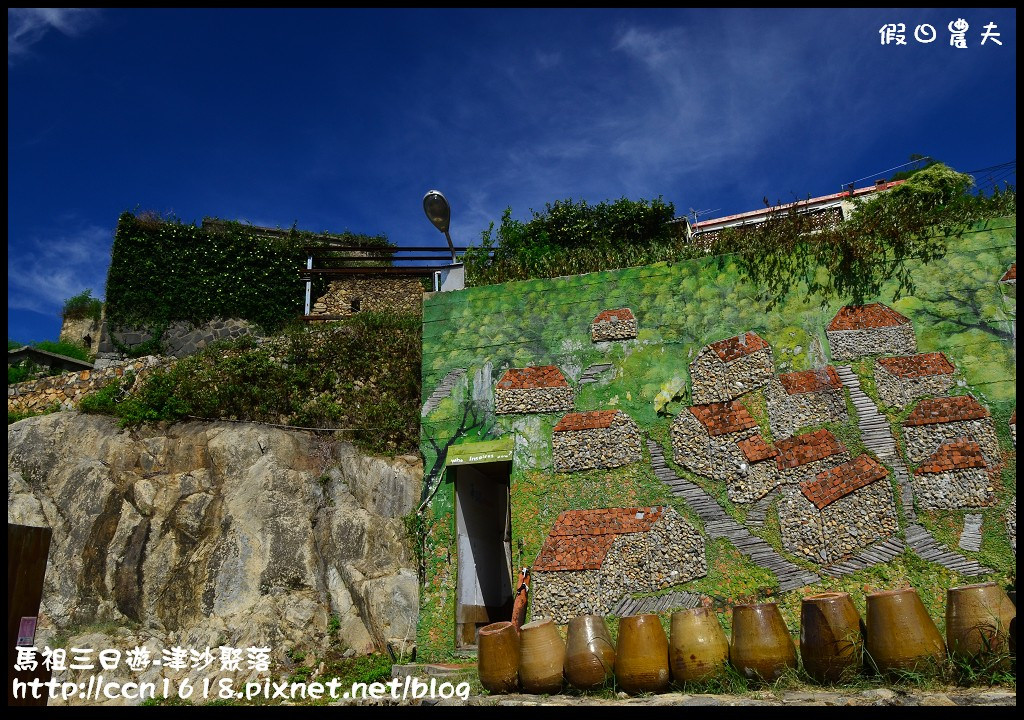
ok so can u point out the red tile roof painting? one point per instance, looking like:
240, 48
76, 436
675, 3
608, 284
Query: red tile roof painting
840, 481
580, 539
723, 418
808, 381
960, 454
614, 315
923, 365
1010, 275
740, 346
531, 378
755, 449
866, 317
799, 450
946, 409
586, 421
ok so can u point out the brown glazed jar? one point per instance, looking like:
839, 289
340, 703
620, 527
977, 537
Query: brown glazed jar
541, 657
589, 653
497, 657
900, 633
641, 655
831, 636
978, 621
761, 644
698, 648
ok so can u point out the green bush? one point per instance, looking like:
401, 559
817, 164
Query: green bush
570, 238
82, 305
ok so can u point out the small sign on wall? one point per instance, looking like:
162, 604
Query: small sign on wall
27, 632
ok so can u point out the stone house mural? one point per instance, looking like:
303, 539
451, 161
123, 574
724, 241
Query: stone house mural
614, 325
937, 420
860, 330
759, 476
802, 399
1010, 276
804, 456
704, 438
1013, 426
838, 511
902, 380
593, 440
955, 475
592, 558
726, 369
540, 389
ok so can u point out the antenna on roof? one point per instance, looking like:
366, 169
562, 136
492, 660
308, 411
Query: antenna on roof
697, 213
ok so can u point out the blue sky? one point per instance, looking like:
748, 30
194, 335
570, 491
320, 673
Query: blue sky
343, 119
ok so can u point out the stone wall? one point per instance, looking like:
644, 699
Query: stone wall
670, 553
608, 447
899, 392
752, 484
715, 457
966, 487
180, 338
614, 325
800, 473
68, 389
788, 413
854, 344
717, 381
533, 400
842, 527
923, 440
354, 294
82, 331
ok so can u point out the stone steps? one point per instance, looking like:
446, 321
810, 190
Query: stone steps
970, 538
678, 600
921, 542
718, 523
880, 553
759, 510
442, 391
593, 373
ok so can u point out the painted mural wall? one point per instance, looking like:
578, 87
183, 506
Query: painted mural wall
774, 449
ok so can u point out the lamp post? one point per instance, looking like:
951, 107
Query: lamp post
439, 212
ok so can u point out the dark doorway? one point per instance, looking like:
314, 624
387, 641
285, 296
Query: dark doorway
484, 526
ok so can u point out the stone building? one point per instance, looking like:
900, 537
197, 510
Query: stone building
902, 380
802, 457
591, 440
838, 511
538, 389
954, 476
704, 439
937, 420
359, 293
801, 399
1010, 276
592, 558
759, 476
614, 325
726, 369
860, 330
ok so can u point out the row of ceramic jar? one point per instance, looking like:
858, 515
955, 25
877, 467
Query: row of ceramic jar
834, 642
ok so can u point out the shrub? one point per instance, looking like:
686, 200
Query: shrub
82, 305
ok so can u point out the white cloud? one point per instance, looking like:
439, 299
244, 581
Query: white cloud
45, 273
27, 26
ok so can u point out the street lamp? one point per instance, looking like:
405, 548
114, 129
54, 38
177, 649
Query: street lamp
439, 212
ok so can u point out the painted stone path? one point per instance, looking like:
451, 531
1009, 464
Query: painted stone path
970, 538
718, 524
442, 391
877, 437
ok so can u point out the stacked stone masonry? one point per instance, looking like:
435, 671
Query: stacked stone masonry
595, 440
939, 420
838, 512
758, 476
902, 380
540, 389
68, 389
181, 338
357, 293
726, 369
1011, 523
802, 399
704, 439
860, 330
614, 325
591, 558
954, 476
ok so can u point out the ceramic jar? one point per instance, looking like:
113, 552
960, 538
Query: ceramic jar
978, 621
698, 648
900, 634
831, 636
497, 657
761, 644
641, 655
589, 653
541, 657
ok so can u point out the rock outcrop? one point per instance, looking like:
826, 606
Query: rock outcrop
204, 535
